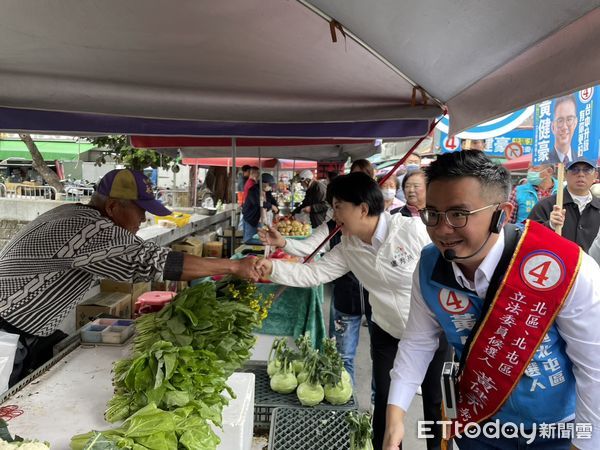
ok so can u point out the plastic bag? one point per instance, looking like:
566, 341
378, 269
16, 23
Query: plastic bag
8, 349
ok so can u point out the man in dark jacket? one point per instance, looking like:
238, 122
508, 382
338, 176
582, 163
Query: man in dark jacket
314, 202
252, 207
580, 216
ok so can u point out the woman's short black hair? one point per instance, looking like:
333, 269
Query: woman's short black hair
357, 188
494, 179
410, 174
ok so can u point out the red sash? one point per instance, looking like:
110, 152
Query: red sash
535, 286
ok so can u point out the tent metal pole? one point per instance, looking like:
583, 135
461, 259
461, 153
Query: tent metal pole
233, 193
292, 184
263, 213
195, 191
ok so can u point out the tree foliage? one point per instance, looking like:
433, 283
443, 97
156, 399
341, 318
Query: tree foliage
40, 165
133, 158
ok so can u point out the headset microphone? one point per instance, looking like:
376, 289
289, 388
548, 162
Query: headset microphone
450, 255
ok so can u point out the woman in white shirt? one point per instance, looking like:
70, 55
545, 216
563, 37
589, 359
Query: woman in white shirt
382, 251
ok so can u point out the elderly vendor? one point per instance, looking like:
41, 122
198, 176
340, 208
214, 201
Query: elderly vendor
47, 268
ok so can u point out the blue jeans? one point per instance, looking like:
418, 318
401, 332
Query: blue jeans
249, 232
516, 443
345, 328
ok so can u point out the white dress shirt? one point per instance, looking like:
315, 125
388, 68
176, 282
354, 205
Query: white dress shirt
578, 324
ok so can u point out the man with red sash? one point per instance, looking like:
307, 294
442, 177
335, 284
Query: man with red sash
521, 309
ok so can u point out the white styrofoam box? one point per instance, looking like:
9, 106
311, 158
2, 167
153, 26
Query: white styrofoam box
238, 416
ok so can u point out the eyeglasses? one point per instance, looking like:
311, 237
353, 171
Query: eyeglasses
456, 218
570, 120
587, 170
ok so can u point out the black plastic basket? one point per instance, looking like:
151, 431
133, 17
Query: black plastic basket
265, 400
309, 429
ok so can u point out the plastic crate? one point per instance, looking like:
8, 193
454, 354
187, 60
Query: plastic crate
309, 429
180, 219
265, 400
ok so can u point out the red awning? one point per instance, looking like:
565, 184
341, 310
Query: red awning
267, 163
290, 164
520, 163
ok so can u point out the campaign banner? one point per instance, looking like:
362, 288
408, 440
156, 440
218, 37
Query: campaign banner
511, 145
496, 127
567, 128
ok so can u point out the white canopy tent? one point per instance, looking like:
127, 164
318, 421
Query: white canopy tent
276, 60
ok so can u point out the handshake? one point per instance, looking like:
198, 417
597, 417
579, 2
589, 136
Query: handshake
253, 268
257, 269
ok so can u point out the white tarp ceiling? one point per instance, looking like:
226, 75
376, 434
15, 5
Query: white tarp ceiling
274, 60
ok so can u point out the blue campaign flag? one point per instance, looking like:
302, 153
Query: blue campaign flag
510, 145
567, 128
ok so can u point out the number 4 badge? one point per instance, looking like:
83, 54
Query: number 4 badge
542, 270
453, 302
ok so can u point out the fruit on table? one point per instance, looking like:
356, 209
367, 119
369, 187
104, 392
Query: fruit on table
289, 227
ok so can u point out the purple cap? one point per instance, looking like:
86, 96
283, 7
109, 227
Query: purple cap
132, 185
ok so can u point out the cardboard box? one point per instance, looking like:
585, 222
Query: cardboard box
213, 249
192, 246
227, 233
134, 289
116, 304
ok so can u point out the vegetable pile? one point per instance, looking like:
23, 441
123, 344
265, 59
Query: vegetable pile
289, 227
361, 432
7, 442
171, 390
315, 376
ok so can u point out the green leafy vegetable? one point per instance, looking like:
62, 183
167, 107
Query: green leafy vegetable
171, 390
361, 431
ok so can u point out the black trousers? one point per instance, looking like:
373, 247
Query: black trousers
383, 352
432, 391
32, 351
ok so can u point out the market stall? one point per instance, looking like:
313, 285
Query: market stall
71, 397
197, 222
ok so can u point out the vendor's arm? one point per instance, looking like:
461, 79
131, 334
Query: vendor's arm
415, 351
577, 323
197, 267
114, 253
271, 203
300, 207
330, 267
